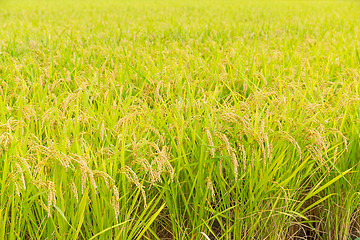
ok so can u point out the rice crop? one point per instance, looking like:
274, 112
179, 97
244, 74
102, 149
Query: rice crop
180, 119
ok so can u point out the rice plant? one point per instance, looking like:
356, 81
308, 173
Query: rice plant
179, 119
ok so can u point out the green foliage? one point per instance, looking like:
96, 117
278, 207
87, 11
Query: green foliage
179, 119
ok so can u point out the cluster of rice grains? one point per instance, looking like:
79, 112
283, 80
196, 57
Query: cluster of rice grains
39, 163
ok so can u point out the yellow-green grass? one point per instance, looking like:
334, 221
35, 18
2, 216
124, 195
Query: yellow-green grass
179, 119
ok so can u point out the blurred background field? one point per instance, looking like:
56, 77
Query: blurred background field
179, 119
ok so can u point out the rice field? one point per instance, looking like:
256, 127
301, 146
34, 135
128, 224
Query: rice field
189, 120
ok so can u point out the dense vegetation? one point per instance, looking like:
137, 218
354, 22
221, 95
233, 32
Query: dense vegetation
179, 119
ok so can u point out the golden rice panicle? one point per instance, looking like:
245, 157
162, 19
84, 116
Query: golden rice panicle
220, 158
116, 192
317, 154
22, 177
5, 140
157, 169
156, 147
292, 140
53, 153
39, 169
45, 207
147, 167
86, 173
136, 145
231, 153
157, 91
102, 131
17, 189
345, 139
211, 143
269, 147
51, 195
92, 180
132, 177
39, 184
157, 133
25, 163
107, 151
74, 190
319, 140
210, 186
28, 112
161, 162
83, 178
115, 205
280, 127
235, 163
122, 121
165, 157
231, 117
261, 143
64, 160
266, 140
335, 155
106, 177
10, 124
115, 201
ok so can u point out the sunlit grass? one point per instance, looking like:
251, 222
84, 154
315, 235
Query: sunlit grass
179, 119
